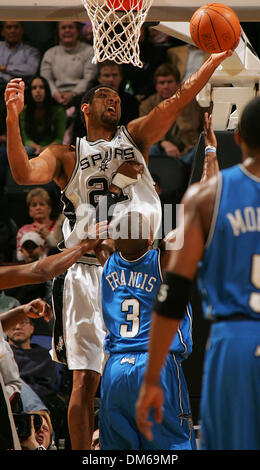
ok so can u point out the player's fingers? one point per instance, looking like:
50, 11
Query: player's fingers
47, 312
40, 308
15, 80
11, 93
14, 87
102, 231
140, 168
147, 431
11, 100
145, 426
206, 122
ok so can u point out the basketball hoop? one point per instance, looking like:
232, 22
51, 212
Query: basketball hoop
116, 29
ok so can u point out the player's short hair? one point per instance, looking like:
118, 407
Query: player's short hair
89, 95
249, 123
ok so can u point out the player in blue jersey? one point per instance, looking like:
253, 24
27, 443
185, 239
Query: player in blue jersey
130, 280
222, 242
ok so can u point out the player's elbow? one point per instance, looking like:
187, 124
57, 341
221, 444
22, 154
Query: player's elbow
19, 178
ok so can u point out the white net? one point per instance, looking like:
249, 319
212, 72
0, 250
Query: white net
116, 29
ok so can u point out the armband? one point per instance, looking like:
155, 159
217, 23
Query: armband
122, 181
173, 296
210, 149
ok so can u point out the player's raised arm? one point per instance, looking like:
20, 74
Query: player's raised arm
150, 128
210, 165
39, 170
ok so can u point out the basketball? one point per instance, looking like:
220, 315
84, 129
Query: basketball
215, 27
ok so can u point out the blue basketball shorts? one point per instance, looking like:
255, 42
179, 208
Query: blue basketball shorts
230, 402
120, 385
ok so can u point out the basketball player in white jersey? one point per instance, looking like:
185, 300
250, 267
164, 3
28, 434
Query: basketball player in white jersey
83, 174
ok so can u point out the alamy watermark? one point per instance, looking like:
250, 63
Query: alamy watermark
133, 222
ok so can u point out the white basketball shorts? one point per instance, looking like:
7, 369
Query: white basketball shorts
79, 330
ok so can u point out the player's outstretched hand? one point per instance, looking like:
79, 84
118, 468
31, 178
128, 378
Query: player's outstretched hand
150, 396
38, 308
128, 173
220, 56
14, 97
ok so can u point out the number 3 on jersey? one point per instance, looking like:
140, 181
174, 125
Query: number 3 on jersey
131, 306
254, 299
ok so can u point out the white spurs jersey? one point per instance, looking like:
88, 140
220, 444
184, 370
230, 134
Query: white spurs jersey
96, 164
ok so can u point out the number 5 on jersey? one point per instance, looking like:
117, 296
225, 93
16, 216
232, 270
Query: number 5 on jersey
254, 299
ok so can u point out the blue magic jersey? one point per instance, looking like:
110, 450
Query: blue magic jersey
229, 273
128, 292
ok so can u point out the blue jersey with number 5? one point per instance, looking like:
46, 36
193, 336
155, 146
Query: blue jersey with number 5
128, 292
229, 273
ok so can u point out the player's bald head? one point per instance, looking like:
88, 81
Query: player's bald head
249, 123
133, 234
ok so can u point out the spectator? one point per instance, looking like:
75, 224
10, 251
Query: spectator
10, 382
139, 81
182, 137
68, 66
45, 435
42, 434
36, 241
17, 59
40, 34
40, 208
43, 120
87, 33
186, 58
37, 369
32, 247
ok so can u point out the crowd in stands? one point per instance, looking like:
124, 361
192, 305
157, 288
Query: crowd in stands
55, 62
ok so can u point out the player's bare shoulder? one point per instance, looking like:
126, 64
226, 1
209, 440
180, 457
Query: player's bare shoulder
61, 150
200, 193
